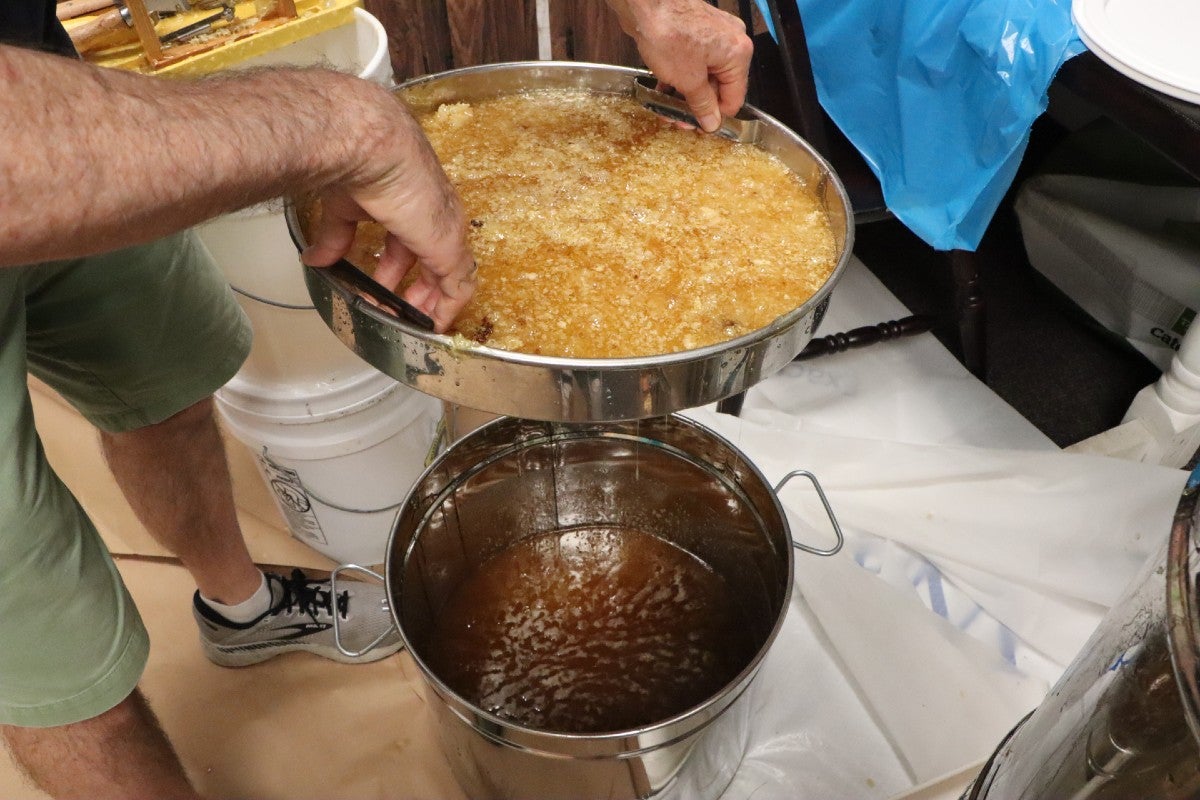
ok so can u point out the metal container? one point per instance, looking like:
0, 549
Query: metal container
667, 476
566, 389
1124, 720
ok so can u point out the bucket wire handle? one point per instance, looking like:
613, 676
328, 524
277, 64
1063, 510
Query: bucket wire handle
337, 634
837, 529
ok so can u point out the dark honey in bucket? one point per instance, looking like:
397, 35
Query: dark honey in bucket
590, 630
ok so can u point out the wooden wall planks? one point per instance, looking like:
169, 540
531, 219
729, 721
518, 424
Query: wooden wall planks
426, 36
418, 35
587, 30
487, 31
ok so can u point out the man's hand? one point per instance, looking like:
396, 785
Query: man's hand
445, 278
699, 50
402, 186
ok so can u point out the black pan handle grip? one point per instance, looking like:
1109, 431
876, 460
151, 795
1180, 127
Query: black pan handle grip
369, 287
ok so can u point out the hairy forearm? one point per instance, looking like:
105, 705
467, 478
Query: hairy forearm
92, 159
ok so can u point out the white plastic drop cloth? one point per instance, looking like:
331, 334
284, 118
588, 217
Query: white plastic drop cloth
978, 559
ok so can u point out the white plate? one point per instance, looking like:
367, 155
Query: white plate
1154, 42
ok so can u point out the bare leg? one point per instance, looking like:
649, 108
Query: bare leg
120, 755
175, 477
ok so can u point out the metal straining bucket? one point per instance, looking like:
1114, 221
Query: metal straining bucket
1124, 719
670, 477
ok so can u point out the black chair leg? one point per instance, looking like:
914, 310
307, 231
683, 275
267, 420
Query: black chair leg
841, 342
969, 311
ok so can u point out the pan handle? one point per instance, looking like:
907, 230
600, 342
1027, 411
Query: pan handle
837, 529
367, 286
337, 634
343, 276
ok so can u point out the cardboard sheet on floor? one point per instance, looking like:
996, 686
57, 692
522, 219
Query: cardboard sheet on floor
295, 728
959, 594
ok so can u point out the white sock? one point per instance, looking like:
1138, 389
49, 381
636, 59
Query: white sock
249, 609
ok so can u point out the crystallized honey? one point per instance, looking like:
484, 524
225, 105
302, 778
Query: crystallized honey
590, 630
602, 231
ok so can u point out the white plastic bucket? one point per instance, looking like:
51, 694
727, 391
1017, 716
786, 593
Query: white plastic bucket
359, 48
292, 344
338, 464
257, 256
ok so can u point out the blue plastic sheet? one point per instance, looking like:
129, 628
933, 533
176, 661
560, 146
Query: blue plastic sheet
939, 95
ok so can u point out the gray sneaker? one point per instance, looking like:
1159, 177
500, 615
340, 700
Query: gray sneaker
301, 618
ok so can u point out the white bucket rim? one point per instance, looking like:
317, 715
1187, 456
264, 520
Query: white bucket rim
304, 403
354, 429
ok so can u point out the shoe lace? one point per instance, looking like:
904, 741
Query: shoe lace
311, 597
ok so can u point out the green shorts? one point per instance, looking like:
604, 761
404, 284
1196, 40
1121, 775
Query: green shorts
129, 338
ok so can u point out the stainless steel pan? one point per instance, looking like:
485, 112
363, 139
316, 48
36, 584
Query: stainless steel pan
571, 389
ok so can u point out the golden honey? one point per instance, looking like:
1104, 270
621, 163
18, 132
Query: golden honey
602, 231
590, 630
